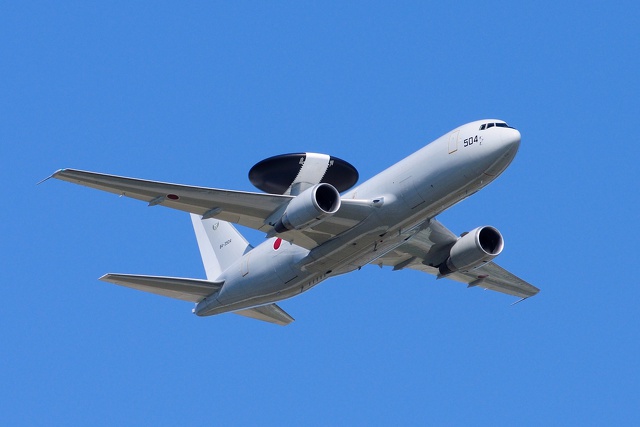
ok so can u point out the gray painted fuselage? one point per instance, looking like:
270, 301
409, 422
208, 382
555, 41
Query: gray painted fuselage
407, 195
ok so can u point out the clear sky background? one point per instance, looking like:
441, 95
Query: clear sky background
198, 93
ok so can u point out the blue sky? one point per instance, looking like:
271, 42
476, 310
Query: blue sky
198, 93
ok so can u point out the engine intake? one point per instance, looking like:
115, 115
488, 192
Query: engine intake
473, 249
309, 208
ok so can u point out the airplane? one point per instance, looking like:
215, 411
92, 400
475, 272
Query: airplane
317, 226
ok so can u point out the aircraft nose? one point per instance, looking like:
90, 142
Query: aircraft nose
511, 137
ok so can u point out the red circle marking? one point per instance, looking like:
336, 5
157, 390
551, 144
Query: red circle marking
277, 243
172, 197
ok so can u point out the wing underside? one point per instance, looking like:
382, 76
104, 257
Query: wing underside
426, 249
430, 247
248, 209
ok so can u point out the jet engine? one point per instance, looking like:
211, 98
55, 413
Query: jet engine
309, 208
473, 249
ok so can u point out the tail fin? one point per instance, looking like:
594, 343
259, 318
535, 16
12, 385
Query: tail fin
220, 244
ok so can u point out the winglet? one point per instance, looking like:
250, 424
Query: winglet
49, 177
46, 179
53, 175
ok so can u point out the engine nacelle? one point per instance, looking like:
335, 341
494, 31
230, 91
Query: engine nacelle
473, 249
309, 208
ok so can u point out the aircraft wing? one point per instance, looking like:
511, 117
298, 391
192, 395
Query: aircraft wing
431, 247
239, 207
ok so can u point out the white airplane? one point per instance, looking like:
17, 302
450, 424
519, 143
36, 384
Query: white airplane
314, 233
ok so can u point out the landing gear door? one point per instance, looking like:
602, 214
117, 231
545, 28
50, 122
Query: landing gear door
453, 141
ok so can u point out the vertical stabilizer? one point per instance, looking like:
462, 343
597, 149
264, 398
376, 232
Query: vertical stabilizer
220, 244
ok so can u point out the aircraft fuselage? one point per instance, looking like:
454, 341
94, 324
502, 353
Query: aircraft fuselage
407, 195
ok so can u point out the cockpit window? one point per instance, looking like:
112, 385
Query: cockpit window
499, 124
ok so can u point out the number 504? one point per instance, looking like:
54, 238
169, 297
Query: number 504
470, 141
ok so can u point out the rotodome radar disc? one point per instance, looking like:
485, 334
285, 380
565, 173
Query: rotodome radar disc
276, 174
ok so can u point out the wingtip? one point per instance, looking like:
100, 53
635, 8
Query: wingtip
43, 180
53, 175
105, 277
519, 301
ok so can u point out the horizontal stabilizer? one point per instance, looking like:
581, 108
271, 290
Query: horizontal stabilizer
193, 290
269, 313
